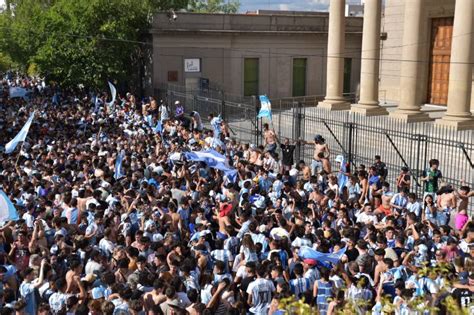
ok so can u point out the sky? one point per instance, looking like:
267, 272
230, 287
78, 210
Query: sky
292, 5
295, 5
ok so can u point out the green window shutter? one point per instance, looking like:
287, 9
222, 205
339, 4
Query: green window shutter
250, 76
299, 77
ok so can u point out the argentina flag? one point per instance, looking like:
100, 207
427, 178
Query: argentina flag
265, 107
309, 253
113, 92
7, 209
21, 136
213, 159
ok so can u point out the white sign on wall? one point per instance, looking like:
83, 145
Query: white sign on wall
192, 65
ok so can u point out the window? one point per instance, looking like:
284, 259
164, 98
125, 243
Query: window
250, 76
347, 75
299, 77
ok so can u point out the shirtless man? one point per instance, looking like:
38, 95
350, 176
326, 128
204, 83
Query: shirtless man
222, 216
270, 138
320, 146
325, 162
385, 197
446, 202
154, 297
75, 270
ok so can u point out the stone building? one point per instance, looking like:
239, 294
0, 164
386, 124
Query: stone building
423, 56
280, 54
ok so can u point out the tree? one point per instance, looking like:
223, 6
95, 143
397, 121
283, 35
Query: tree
80, 41
214, 6
87, 41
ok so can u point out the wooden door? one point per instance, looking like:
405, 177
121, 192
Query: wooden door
441, 35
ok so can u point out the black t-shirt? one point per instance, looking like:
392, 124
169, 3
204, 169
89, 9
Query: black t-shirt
287, 153
464, 297
352, 254
381, 169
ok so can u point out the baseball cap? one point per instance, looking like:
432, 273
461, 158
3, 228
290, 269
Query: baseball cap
311, 262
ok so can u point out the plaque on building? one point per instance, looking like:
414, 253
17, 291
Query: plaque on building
192, 65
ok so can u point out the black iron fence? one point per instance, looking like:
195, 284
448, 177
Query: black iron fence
356, 137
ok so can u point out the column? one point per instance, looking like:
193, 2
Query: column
369, 78
409, 108
335, 59
458, 114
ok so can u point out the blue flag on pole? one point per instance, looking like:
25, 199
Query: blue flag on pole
309, 253
118, 166
113, 92
21, 136
265, 107
213, 159
7, 209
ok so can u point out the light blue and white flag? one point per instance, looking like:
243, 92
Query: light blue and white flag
265, 107
214, 160
118, 166
16, 91
309, 253
113, 92
21, 136
216, 125
7, 209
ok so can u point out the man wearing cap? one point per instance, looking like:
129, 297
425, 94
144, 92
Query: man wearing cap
311, 272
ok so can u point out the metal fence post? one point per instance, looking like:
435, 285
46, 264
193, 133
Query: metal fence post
350, 139
257, 127
223, 105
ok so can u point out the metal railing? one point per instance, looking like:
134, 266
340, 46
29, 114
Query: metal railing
356, 137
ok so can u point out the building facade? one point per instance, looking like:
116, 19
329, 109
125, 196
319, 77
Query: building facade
426, 58
280, 54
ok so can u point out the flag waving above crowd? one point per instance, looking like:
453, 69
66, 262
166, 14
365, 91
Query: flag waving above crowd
21, 136
265, 107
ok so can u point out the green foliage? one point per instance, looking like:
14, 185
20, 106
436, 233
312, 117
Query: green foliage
294, 306
214, 6
80, 41
6, 62
32, 70
86, 41
416, 305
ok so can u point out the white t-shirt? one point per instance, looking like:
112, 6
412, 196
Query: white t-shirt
261, 291
29, 219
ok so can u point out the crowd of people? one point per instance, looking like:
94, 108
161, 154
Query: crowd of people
115, 217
